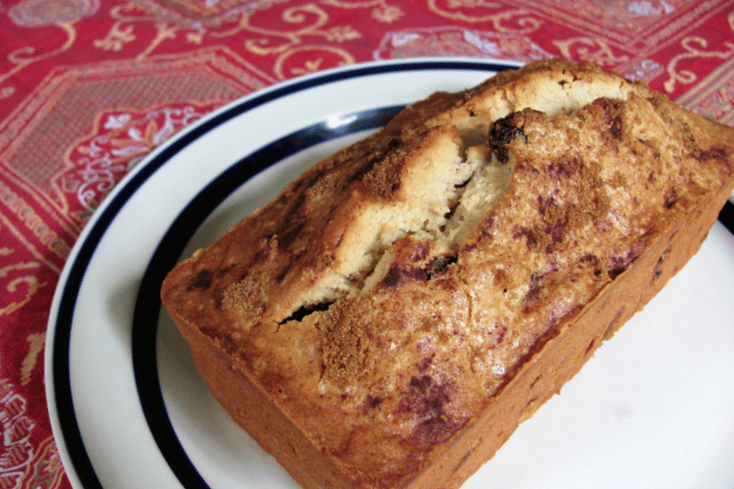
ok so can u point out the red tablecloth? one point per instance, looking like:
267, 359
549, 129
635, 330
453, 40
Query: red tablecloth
79, 78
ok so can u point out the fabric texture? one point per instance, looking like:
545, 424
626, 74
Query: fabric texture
89, 87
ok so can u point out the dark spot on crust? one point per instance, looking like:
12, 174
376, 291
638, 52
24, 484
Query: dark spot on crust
567, 168
501, 278
532, 238
615, 127
470, 247
425, 363
671, 196
591, 259
545, 203
222, 338
420, 252
435, 429
398, 275
288, 236
613, 324
487, 227
502, 132
485, 231
557, 228
223, 271
272, 381
620, 263
496, 334
461, 461
533, 294
421, 384
658, 270
373, 401
209, 331
260, 255
294, 218
426, 400
202, 281
718, 154
616, 270
590, 348
440, 264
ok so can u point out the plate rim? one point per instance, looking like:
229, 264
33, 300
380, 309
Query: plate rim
61, 315
172, 244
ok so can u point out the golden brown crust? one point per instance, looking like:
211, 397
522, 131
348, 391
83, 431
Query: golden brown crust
430, 286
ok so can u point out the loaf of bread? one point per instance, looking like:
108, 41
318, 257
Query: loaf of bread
395, 313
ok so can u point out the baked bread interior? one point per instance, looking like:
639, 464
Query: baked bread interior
394, 314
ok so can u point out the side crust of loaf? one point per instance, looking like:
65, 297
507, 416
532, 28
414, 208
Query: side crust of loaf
391, 318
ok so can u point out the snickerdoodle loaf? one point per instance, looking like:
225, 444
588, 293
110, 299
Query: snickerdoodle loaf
394, 314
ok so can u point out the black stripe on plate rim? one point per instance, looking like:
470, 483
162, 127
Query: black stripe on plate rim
726, 216
148, 306
69, 289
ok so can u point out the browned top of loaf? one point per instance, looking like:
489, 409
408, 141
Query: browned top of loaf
388, 289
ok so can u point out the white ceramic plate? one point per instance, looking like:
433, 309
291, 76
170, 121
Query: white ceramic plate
654, 408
